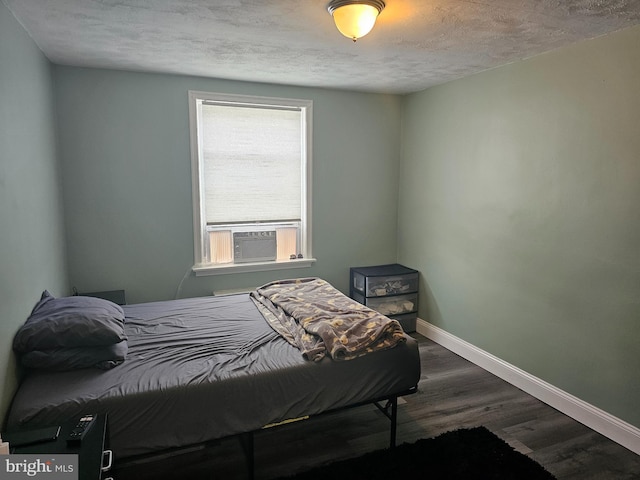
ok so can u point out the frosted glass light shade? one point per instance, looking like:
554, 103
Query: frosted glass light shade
355, 19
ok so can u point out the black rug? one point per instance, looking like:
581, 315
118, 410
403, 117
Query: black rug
465, 454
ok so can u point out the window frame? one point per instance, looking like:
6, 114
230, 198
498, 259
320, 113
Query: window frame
201, 266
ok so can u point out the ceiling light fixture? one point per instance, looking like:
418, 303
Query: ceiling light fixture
355, 18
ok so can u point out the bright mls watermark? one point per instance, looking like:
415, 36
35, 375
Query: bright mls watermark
49, 466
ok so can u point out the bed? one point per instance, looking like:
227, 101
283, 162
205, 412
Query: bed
201, 369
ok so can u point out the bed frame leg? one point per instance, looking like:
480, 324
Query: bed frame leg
246, 440
390, 410
394, 422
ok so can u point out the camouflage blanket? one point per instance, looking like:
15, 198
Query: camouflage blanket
318, 319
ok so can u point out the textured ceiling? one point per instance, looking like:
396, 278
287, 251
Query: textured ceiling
414, 45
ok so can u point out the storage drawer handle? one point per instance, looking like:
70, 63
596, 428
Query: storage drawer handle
109, 454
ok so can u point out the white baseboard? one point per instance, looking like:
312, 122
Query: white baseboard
602, 422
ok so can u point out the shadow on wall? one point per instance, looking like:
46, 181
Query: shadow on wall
428, 309
12, 376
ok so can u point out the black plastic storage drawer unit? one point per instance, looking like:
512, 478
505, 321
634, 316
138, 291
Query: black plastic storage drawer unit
389, 289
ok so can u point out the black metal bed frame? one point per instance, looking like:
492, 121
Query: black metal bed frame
389, 409
388, 405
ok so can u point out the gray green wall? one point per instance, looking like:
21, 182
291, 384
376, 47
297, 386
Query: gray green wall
32, 252
124, 147
520, 205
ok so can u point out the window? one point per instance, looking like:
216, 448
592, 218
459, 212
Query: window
251, 170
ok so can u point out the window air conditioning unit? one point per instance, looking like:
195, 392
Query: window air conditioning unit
258, 246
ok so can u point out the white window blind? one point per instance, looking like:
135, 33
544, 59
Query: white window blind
252, 163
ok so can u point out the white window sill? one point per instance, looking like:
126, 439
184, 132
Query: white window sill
228, 268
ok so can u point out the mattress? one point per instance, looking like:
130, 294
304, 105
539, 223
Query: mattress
205, 368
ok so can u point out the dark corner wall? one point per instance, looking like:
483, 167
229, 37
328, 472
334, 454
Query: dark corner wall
32, 247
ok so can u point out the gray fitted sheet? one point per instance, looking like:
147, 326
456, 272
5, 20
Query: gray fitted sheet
205, 368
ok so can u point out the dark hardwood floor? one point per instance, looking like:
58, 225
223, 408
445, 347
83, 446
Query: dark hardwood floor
453, 393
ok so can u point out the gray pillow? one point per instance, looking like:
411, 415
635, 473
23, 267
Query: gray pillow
101, 356
70, 322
